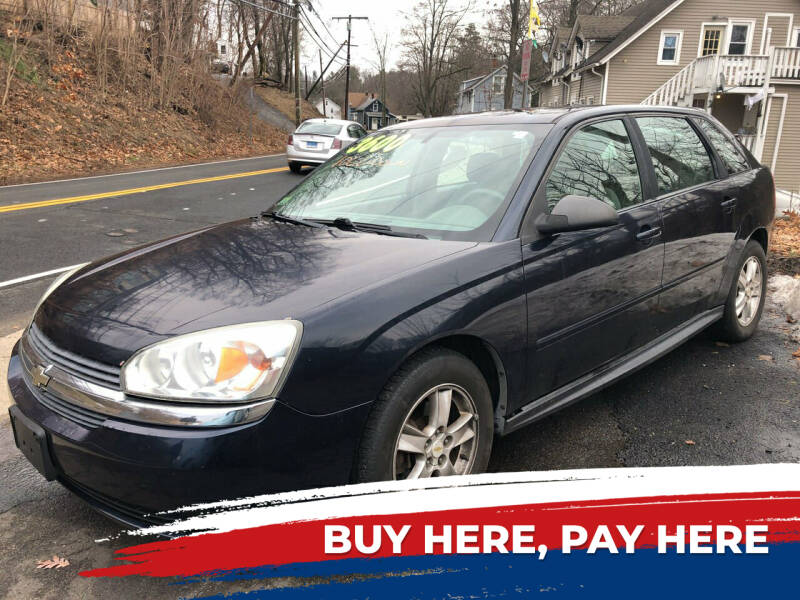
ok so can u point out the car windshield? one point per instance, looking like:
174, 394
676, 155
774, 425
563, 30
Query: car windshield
319, 128
441, 182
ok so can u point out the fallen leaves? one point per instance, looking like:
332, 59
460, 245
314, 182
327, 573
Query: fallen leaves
118, 130
52, 563
796, 353
786, 235
689, 442
765, 357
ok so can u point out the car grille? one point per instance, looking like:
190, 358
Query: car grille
82, 416
91, 370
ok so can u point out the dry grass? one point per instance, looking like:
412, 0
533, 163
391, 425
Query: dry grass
284, 102
786, 236
60, 119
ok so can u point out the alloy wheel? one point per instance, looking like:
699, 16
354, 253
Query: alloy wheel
748, 291
439, 436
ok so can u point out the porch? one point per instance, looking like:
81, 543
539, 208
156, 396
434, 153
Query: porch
720, 83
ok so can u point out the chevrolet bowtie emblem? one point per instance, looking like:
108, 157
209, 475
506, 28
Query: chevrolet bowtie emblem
39, 375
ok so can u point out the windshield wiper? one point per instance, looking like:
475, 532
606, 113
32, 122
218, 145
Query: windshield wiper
348, 225
288, 219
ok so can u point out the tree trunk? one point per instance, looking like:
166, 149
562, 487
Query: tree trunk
508, 92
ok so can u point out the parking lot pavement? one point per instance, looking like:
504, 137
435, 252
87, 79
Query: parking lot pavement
705, 403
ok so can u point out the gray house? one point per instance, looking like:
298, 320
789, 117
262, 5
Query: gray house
367, 109
486, 93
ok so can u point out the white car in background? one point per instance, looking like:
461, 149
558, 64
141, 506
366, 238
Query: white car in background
316, 140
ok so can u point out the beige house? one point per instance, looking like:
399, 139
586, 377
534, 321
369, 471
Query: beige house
738, 59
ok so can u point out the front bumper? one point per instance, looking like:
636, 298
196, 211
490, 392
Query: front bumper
307, 157
129, 470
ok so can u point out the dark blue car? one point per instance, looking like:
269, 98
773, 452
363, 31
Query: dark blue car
430, 287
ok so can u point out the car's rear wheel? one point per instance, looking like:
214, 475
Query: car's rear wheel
745, 301
296, 167
433, 419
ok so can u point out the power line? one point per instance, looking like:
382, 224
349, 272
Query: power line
316, 38
262, 7
349, 19
321, 20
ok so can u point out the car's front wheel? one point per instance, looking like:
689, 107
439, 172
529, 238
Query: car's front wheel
745, 301
434, 418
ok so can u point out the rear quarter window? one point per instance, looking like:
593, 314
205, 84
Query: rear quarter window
731, 156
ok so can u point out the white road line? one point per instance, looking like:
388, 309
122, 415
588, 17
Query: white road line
35, 276
201, 164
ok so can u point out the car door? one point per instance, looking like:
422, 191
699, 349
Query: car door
737, 189
697, 226
591, 294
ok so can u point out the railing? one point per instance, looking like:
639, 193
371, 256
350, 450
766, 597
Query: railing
702, 75
786, 64
676, 87
748, 141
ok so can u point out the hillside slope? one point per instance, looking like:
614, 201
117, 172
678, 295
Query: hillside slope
60, 121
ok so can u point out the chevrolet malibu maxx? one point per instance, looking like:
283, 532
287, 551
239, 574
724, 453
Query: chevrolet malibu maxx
428, 288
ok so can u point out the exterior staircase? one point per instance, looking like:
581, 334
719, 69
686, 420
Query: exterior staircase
739, 74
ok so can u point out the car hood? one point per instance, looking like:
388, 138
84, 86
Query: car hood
239, 272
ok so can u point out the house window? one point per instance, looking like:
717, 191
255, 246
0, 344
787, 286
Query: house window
669, 51
498, 84
590, 100
712, 37
223, 49
740, 37
796, 37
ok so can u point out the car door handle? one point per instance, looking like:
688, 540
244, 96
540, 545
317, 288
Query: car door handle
728, 205
648, 233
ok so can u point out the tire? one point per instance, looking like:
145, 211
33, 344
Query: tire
296, 168
405, 398
736, 325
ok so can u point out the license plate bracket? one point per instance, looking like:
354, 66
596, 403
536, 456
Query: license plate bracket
311, 144
33, 442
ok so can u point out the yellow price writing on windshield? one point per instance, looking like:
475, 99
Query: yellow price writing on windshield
378, 143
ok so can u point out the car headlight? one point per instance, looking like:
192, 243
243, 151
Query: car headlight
58, 281
226, 364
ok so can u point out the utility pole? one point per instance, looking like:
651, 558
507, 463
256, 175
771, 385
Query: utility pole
349, 19
296, 36
322, 85
325, 70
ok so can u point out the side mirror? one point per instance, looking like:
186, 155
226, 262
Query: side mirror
576, 213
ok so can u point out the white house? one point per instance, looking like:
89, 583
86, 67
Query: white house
332, 110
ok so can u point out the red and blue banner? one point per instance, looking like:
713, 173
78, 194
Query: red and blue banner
659, 532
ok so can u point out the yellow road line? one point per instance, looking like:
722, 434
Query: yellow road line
139, 190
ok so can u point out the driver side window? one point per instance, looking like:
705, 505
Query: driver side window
597, 161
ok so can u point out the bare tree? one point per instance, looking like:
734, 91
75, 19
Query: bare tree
18, 34
513, 40
428, 41
380, 46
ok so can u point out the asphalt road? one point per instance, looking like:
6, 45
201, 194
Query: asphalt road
735, 404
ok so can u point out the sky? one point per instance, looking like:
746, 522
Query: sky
385, 17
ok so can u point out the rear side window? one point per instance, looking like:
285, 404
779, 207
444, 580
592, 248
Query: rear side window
354, 131
734, 160
597, 161
319, 128
680, 158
